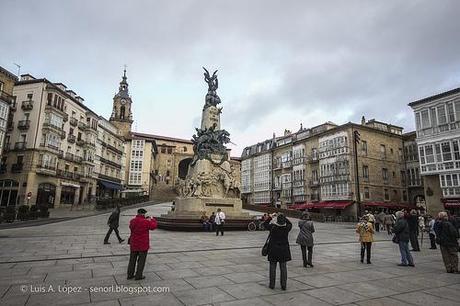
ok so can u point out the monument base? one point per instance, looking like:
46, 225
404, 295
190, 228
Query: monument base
188, 211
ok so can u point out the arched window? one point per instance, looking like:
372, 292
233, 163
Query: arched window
122, 112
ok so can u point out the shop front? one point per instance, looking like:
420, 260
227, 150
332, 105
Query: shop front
107, 189
46, 194
452, 205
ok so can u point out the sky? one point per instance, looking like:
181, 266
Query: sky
281, 63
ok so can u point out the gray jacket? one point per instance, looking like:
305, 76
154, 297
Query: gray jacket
305, 236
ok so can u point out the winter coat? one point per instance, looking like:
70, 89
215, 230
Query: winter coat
365, 231
388, 220
401, 230
305, 237
278, 245
114, 219
447, 234
412, 220
140, 236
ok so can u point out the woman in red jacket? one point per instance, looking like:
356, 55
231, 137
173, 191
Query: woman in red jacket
139, 242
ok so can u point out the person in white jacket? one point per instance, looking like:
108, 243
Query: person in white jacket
219, 221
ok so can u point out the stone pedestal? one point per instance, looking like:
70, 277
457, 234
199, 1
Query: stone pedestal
194, 207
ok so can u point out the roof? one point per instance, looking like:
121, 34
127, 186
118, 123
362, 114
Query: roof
435, 97
159, 137
8, 74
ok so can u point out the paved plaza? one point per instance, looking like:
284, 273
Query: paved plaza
41, 265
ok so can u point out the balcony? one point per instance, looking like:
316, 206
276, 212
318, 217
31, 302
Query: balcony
65, 118
49, 107
16, 168
27, 105
63, 133
277, 187
45, 168
7, 98
80, 142
20, 145
109, 178
114, 164
71, 138
112, 147
3, 168
49, 146
68, 175
73, 121
287, 164
313, 158
13, 106
298, 160
24, 124
54, 128
82, 126
313, 183
68, 156
77, 159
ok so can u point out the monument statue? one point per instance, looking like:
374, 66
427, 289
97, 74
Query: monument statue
211, 182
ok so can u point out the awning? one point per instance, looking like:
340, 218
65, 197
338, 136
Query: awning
110, 185
70, 185
333, 205
451, 203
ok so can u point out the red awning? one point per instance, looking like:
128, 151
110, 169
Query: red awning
451, 203
333, 205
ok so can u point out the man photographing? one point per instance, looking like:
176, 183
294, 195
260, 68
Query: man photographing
139, 242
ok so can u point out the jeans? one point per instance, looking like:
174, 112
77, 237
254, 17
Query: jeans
283, 277
304, 254
139, 258
115, 229
206, 226
406, 257
366, 248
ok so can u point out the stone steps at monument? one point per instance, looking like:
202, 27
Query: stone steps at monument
163, 193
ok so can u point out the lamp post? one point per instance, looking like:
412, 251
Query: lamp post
356, 140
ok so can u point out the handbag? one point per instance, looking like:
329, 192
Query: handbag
265, 247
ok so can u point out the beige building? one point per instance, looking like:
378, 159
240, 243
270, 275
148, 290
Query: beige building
50, 147
315, 169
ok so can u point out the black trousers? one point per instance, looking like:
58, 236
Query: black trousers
366, 248
219, 228
115, 229
377, 227
433, 240
304, 249
283, 277
414, 241
139, 258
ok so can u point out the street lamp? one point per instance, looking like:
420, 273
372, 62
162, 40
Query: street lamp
356, 140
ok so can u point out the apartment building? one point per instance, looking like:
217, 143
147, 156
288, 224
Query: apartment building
437, 121
49, 147
110, 160
315, 168
7, 102
413, 178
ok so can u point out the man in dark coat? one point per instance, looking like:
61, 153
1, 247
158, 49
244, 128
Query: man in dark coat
401, 231
447, 237
113, 223
412, 220
139, 242
278, 247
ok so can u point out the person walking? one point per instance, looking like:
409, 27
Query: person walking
219, 221
278, 247
113, 223
431, 232
381, 219
388, 222
412, 220
139, 242
447, 237
401, 231
366, 236
305, 239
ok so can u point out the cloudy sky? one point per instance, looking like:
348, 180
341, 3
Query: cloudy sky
281, 63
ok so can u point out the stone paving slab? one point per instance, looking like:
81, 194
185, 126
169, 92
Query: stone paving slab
202, 269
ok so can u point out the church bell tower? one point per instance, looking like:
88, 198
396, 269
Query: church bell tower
122, 116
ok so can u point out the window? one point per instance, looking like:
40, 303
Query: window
404, 195
366, 172
385, 174
30, 96
383, 151
169, 150
429, 154
442, 119
446, 154
366, 193
163, 150
403, 178
185, 149
450, 112
364, 146
433, 117
425, 119
386, 194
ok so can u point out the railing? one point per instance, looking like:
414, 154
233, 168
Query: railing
20, 145
110, 162
43, 165
112, 147
50, 146
15, 168
80, 142
68, 174
69, 156
287, 164
313, 183
73, 121
109, 178
65, 118
82, 125
23, 124
27, 105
